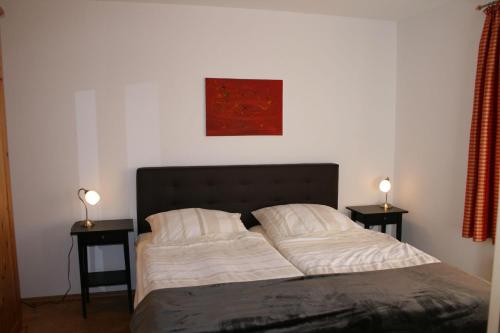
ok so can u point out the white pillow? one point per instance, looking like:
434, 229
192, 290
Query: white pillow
191, 223
293, 220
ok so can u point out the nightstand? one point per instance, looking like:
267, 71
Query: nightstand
109, 232
376, 215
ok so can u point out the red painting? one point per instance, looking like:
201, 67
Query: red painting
244, 107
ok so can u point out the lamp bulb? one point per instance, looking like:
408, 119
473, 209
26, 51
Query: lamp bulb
385, 185
92, 197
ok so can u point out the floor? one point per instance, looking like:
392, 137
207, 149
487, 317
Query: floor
104, 314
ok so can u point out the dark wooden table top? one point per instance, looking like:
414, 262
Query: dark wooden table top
375, 209
104, 226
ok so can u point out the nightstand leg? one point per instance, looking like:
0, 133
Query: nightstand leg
382, 228
83, 281
86, 272
129, 283
399, 230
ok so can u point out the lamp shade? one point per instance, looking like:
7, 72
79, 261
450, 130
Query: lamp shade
92, 197
385, 185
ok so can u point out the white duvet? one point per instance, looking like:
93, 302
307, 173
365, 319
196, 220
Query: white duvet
212, 259
352, 250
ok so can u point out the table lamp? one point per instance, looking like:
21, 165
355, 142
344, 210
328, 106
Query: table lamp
385, 187
92, 198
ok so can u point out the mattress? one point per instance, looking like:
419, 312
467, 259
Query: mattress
353, 250
213, 259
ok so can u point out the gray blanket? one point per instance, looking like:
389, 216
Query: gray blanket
427, 298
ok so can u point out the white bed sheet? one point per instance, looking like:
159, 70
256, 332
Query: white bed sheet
237, 257
353, 250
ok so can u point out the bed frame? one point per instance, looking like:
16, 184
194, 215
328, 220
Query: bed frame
233, 188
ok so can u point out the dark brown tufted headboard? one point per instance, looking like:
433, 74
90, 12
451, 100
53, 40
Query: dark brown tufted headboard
233, 188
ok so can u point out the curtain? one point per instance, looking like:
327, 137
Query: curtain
483, 174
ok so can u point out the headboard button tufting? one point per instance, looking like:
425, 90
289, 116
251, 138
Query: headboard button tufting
233, 188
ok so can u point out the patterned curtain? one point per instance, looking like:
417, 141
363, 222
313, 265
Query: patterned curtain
483, 174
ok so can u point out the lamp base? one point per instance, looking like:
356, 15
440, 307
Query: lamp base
87, 224
386, 206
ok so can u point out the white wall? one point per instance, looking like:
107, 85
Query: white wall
436, 72
95, 90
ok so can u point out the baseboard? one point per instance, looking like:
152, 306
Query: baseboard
73, 297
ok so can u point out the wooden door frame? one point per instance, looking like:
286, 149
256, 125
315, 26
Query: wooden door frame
12, 249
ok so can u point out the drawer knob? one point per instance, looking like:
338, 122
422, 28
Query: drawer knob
102, 237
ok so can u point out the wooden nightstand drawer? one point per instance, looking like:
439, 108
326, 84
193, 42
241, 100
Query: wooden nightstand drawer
105, 238
382, 219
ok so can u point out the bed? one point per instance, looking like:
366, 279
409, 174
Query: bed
430, 297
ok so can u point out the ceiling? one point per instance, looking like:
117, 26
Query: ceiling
376, 9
